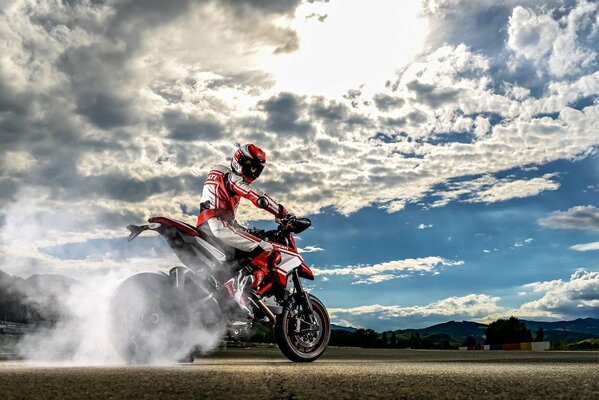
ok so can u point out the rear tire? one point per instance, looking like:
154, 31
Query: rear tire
150, 320
305, 345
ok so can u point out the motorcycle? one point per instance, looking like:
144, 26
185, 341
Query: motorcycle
158, 315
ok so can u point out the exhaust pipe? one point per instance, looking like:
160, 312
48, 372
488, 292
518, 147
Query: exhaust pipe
266, 311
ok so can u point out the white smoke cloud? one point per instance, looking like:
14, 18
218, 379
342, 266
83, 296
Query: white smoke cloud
79, 330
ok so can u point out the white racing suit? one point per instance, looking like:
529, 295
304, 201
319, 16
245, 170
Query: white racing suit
222, 192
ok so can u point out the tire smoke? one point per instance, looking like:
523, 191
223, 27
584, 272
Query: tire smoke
67, 300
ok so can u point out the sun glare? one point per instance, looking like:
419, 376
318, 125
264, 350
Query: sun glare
345, 44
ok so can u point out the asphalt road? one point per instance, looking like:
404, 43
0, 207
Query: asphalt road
341, 373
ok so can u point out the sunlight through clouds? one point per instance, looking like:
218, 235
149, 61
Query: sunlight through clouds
358, 45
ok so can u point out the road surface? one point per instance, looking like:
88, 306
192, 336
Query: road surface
340, 374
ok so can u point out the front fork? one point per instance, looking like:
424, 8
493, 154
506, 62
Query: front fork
302, 297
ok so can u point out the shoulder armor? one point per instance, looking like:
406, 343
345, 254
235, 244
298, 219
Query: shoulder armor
221, 169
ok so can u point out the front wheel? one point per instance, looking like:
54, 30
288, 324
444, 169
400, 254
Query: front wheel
300, 338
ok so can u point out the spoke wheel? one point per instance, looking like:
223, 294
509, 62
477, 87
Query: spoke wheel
301, 338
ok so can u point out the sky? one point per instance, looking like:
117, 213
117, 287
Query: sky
445, 150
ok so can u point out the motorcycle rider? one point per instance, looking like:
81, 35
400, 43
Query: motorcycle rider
221, 194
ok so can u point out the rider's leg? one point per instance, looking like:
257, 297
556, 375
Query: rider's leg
237, 286
237, 238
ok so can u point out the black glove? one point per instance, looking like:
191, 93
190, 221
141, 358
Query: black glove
287, 218
256, 232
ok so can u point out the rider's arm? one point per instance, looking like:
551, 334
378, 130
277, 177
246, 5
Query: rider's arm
260, 199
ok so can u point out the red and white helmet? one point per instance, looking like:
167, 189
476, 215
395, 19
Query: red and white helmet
248, 161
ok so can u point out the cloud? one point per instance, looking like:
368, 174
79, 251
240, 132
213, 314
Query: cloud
188, 128
113, 110
558, 46
574, 298
586, 246
310, 249
431, 95
523, 242
283, 114
530, 35
506, 190
529, 42
488, 189
471, 305
385, 102
424, 226
391, 269
577, 296
579, 217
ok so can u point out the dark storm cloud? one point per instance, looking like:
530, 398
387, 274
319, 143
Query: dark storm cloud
289, 181
8, 189
430, 95
99, 74
121, 187
337, 118
125, 188
283, 114
266, 6
384, 102
12, 101
106, 110
94, 81
481, 26
188, 127
329, 111
89, 101
416, 117
395, 122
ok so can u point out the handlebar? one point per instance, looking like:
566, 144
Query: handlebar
288, 224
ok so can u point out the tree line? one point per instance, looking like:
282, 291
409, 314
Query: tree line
502, 331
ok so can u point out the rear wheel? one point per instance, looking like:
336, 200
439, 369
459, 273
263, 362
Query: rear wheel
299, 338
150, 320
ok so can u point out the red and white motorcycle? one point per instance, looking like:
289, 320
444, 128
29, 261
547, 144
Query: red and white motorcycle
155, 315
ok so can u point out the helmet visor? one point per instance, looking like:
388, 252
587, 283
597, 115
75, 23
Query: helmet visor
252, 168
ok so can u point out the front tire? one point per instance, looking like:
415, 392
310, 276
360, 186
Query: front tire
297, 339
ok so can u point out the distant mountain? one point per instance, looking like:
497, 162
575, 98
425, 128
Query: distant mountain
37, 298
584, 325
559, 331
335, 327
454, 328
578, 334
456, 332
566, 331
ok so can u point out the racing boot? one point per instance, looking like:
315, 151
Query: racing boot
236, 288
